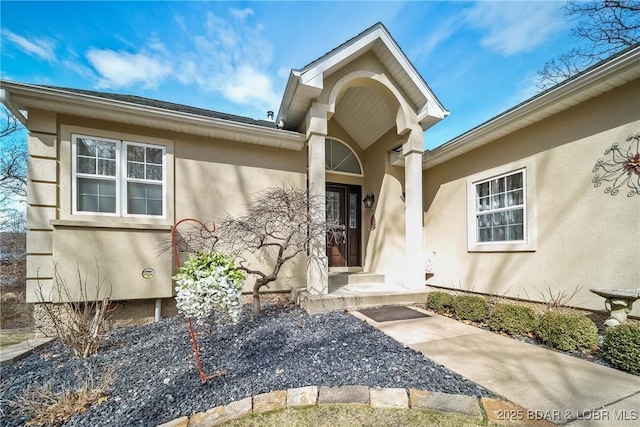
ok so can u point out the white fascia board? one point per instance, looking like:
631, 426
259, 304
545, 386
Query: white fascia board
313, 74
5, 98
293, 140
289, 93
560, 93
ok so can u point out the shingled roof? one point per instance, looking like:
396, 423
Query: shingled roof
164, 105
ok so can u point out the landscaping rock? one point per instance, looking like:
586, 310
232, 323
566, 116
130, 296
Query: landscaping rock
272, 401
302, 396
388, 398
346, 394
284, 348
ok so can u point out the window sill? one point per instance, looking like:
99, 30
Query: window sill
114, 225
502, 247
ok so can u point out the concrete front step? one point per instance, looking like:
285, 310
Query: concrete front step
343, 299
346, 278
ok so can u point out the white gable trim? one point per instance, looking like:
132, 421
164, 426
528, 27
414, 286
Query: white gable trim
312, 76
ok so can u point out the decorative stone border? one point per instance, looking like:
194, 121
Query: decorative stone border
497, 412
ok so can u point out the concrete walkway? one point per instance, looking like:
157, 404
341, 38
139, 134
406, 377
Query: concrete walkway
550, 385
15, 352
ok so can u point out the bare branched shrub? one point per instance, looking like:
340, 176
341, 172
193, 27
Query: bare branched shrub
46, 407
558, 298
79, 316
277, 225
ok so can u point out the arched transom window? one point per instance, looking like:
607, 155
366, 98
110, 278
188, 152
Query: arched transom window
340, 158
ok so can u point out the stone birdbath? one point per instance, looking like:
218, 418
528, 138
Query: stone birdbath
618, 302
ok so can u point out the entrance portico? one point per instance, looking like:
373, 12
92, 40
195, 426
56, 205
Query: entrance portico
368, 95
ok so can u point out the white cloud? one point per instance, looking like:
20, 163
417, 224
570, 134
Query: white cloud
123, 69
41, 48
247, 85
283, 72
513, 27
231, 58
241, 13
438, 35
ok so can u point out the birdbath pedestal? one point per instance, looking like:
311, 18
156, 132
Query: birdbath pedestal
618, 302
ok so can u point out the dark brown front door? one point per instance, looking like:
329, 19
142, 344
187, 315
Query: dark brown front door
343, 210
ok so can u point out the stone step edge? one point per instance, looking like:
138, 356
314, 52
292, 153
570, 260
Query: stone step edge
494, 410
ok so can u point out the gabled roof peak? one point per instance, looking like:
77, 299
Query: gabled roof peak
305, 84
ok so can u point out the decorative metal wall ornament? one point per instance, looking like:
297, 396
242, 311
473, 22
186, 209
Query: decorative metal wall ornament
622, 169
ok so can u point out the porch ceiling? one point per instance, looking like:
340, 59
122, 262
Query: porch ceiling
365, 115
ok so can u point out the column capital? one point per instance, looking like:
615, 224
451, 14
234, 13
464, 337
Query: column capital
316, 119
413, 142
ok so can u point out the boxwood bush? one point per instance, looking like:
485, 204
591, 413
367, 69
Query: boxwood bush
440, 302
567, 331
513, 319
621, 347
473, 308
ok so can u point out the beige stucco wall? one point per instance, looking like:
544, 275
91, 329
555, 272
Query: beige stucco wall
385, 246
219, 178
206, 179
585, 238
117, 256
42, 200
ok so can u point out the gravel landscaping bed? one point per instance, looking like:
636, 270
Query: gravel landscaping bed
156, 379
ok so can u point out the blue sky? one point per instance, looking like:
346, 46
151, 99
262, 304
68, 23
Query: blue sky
480, 58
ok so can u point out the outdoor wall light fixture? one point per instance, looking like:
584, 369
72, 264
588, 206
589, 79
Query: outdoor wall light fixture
368, 200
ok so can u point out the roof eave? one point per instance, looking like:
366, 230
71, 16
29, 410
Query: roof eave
289, 93
518, 116
141, 114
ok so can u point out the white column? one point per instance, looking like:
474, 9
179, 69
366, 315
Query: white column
317, 265
414, 258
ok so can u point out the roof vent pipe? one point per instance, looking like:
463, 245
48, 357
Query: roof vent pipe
270, 115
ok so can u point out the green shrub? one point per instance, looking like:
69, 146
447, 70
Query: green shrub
473, 308
440, 302
513, 319
622, 347
567, 331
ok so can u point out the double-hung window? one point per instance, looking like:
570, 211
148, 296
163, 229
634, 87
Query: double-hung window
501, 209
121, 178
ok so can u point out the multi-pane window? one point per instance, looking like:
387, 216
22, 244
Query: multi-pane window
144, 179
340, 158
500, 208
96, 174
118, 177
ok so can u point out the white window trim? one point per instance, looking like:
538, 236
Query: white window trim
126, 179
120, 178
75, 175
527, 166
355, 155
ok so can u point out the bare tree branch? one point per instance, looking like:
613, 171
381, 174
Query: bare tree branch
10, 123
603, 28
276, 227
13, 174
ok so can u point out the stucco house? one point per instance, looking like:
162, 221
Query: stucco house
507, 208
